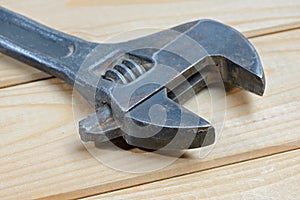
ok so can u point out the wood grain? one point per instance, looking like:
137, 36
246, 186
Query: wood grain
100, 20
274, 177
41, 154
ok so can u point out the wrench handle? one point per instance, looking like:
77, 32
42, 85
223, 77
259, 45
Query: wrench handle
51, 51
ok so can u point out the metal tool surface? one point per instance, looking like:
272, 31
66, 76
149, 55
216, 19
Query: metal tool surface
127, 79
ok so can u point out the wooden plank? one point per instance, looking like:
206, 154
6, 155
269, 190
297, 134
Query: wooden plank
41, 154
15, 73
274, 177
102, 19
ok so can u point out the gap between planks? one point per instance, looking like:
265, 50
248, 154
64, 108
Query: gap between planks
272, 30
28, 82
174, 173
271, 177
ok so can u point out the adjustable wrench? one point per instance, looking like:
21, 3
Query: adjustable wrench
127, 79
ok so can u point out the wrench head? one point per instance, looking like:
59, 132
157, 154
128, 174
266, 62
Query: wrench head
148, 84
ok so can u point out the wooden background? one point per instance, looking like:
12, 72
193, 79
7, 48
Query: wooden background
258, 156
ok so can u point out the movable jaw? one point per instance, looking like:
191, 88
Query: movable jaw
159, 122
147, 77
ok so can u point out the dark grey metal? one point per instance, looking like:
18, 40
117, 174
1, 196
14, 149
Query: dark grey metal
136, 73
